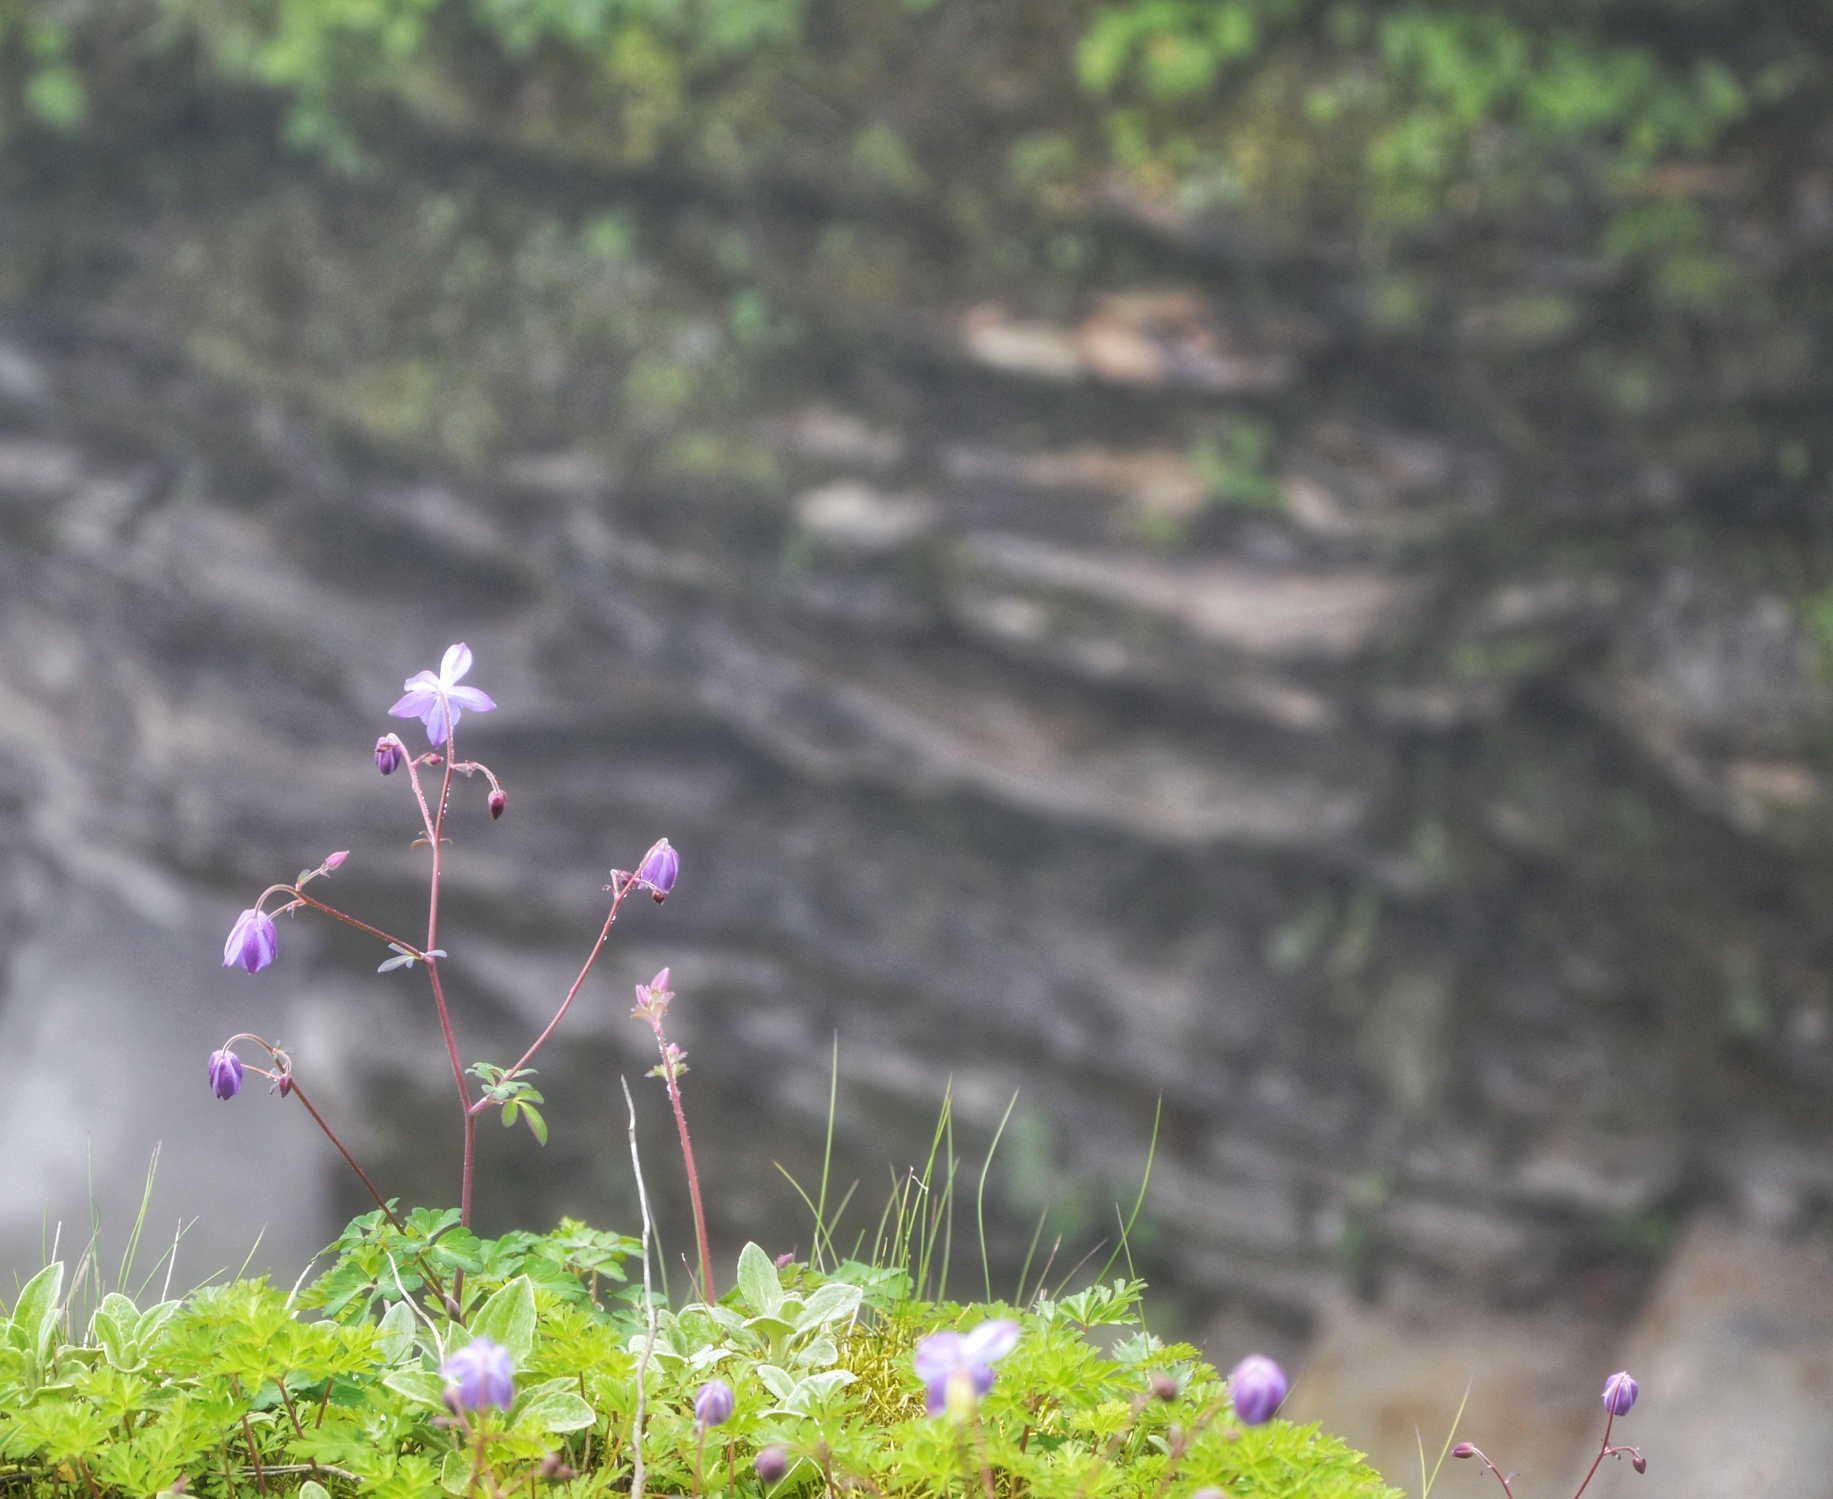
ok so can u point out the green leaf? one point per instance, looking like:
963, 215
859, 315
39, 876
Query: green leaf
758, 1282
508, 1318
552, 1407
420, 1385
35, 1316
397, 1333
313, 1490
780, 1382
830, 1303
535, 1122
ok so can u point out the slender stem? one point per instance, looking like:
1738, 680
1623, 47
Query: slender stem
622, 889
420, 1258
1610, 1417
301, 898
693, 1182
1477, 1451
349, 1160
649, 1307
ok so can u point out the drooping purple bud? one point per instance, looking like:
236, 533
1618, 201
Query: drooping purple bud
714, 1404
1639, 1463
479, 1374
1257, 1386
1464, 1449
499, 799
225, 1074
335, 860
771, 1465
1619, 1393
390, 756
659, 869
1163, 1387
252, 941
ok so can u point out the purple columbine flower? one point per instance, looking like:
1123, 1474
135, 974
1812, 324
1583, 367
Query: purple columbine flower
1258, 1387
390, 754
252, 941
437, 701
942, 1356
479, 1374
1620, 1393
659, 869
225, 1074
714, 1404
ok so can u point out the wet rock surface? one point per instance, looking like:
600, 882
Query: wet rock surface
1186, 696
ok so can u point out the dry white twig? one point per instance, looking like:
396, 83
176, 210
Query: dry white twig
649, 1305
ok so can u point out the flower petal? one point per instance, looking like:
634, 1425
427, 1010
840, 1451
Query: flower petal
456, 663
937, 1356
989, 1341
417, 701
470, 697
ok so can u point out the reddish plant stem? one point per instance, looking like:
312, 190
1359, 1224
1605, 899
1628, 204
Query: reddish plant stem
292, 1086
435, 832
1478, 1452
301, 898
621, 890
1604, 1450
693, 1177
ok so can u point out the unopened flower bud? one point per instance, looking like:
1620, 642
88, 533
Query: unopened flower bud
479, 1374
252, 941
1639, 1463
284, 1084
1619, 1393
225, 1074
659, 869
390, 757
499, 799
771, 1465
784, 1261
335, 860
1257, 1385
1464, 1449
1163, 1387
555, 1468
713, 1405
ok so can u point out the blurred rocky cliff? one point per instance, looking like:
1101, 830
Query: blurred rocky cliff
1376, 707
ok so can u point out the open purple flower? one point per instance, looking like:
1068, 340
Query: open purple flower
252, 941
1620, 1393
1257, 1385
659, 869
437, 701
479, 1374
225, 1074
942, 1356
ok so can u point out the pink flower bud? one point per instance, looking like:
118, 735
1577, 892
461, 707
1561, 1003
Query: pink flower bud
1464, 1449
336, 859
499, 799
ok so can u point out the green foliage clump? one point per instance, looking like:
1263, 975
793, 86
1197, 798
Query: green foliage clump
1425, 97
240, 1390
